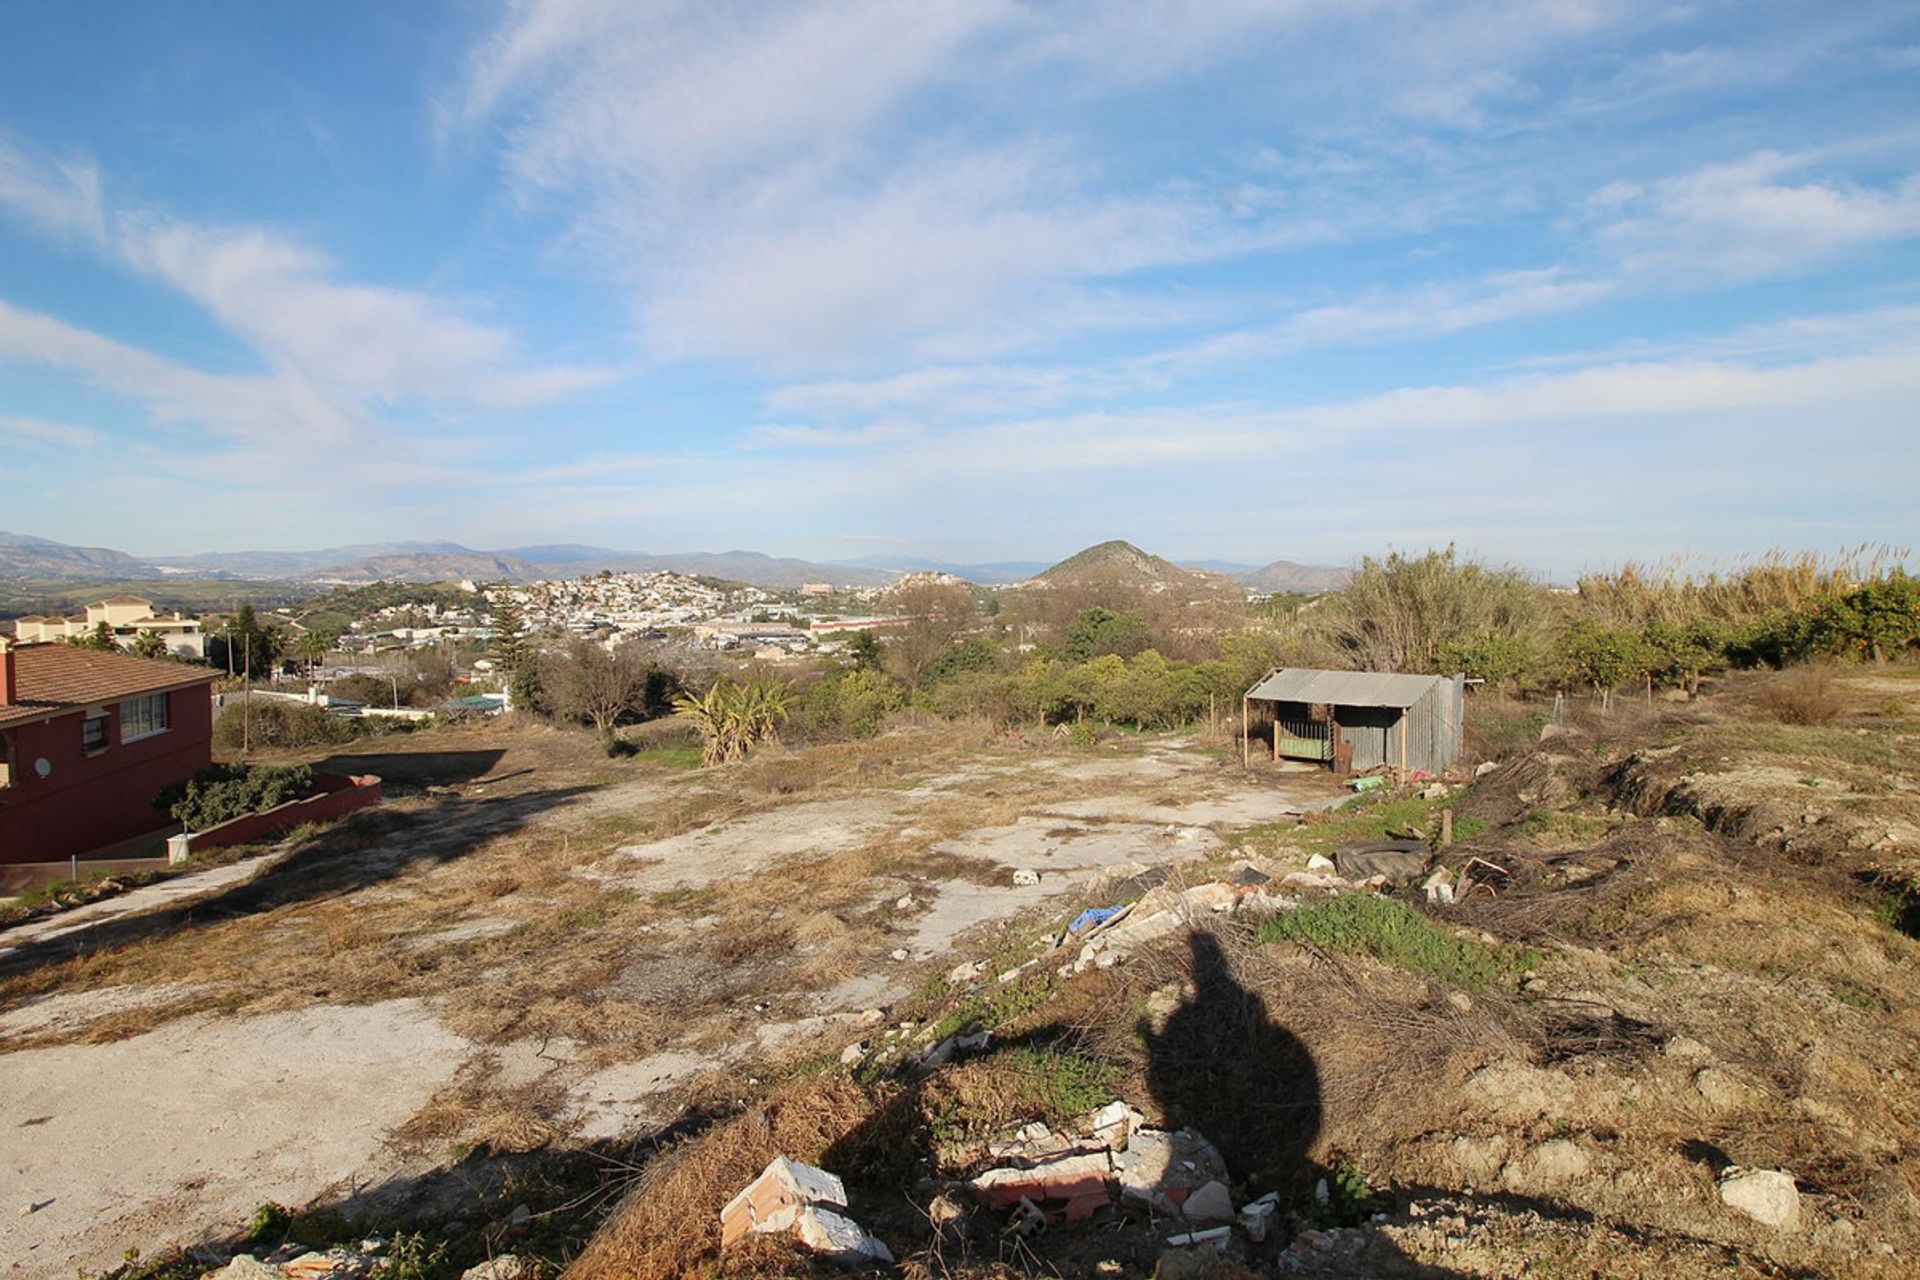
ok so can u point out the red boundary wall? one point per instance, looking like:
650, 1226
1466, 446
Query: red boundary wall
339, 796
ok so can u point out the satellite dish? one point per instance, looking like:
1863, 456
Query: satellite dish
43, 766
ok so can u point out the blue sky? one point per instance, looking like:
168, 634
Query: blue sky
1562, 282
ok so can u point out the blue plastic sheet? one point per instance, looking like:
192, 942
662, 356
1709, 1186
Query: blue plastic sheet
1094, 916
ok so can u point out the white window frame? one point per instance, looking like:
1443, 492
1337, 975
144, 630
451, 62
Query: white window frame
144, 717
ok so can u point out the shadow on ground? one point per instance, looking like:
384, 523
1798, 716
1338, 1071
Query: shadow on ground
404, 771
363, 850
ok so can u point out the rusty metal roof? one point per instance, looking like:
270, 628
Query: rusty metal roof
1343, 688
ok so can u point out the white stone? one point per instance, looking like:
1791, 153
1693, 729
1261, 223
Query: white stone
1320, 862
1768, 1196
507, 1266
838, 1237
1209, 1203
1026, 876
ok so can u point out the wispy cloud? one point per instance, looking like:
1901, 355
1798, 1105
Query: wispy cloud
39, 431
1758, 217
59, 197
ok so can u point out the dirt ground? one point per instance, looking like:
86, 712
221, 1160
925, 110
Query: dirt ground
531, 947
1691, 953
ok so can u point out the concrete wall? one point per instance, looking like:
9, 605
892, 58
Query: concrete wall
339, 796
90, 800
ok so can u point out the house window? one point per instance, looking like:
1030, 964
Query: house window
143, 717
93, 732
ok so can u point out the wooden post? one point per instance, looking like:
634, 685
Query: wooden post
1246, 731
1404, 771
1446, 828
1276, 733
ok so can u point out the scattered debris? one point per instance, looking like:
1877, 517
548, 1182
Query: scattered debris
792, 1197
1214, 1236
1372, 782
941, 1054
1094, 916
1394, 859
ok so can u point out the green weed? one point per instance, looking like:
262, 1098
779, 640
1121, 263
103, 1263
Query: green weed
1394, 933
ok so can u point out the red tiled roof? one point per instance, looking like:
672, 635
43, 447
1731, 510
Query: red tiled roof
54, 678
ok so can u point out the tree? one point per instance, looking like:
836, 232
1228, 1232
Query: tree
512, 653
935, 612
863, 651
1604, 657
312, 648
1099, 632
99, 637
589, 682
243, 646
148, 644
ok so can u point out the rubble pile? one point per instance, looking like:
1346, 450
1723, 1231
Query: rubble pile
368, 1260
797, 1199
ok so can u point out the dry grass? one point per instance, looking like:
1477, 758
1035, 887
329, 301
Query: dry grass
1807, 695
669, 1223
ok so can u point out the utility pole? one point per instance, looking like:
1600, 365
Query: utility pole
246, 699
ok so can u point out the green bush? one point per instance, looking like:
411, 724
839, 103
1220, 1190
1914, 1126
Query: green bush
1102, 632
272, 723
222, 792
847, 704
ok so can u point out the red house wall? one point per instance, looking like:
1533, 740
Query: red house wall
88, 801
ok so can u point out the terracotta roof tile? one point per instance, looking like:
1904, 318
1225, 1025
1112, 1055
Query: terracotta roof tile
52, 678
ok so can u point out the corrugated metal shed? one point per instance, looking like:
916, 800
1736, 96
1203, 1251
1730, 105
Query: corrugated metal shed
1344, 688
1370, 718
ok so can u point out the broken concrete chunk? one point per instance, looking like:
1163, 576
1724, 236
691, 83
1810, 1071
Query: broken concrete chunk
1162, 1169
1768, 1196
247, 1267
1257, 1219
508, 1266
838, 1237
1026, 876
771, 1202
1320, 862
1210, 1202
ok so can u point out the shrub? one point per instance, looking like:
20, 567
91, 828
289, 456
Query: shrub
848, 704
733, 719
272, 723
221, 792
1804, 695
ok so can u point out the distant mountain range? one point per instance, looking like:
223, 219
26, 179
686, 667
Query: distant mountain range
26, 556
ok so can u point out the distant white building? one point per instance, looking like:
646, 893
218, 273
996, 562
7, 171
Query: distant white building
127, 618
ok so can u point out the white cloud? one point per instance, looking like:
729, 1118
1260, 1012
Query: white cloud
1751, 219
39, 431
375, 343
763, 180
62, 198
793, 437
